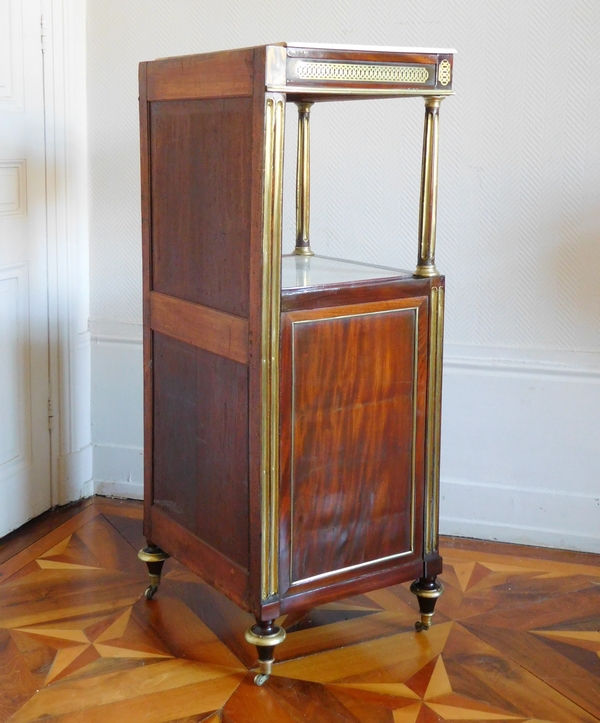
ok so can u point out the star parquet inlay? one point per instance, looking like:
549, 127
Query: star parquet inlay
516, 637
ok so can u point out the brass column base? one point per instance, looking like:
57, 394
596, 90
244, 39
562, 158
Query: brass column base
427, 591
265, 636
427, 271
303, 251
154, 558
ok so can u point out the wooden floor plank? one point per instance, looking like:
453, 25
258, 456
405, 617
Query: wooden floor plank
186, 700
33, 530
44, 543
515, 637
485, 548
472, 658
133, 509
123, 691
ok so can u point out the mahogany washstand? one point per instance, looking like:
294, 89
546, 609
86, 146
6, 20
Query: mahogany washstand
292, 405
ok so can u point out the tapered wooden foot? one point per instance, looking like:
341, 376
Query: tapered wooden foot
427, 591
265, 635
154, 558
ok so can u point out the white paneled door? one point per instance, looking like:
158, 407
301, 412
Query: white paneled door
25, 477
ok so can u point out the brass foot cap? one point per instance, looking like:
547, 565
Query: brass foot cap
265, 640
419, 591
152, 554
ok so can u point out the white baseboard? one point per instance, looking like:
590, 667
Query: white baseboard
119, 471
117, 424
520, 451
558, 519
123, 490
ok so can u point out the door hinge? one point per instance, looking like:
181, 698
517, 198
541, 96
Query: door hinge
43, 33
50, 414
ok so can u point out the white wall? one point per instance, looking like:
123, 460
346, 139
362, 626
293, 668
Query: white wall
519, 231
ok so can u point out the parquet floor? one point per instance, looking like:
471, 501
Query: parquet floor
516, 638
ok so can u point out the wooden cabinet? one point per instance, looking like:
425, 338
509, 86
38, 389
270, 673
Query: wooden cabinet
292, 404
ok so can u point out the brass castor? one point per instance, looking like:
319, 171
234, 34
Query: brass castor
265, 635
149, 591
154, 558
427, 591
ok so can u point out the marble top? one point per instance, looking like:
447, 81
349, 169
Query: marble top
373, 48
303, 271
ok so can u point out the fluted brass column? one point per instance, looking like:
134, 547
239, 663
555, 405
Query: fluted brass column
303, 182
429, 182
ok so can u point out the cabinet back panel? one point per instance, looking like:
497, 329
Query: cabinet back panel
201, 177
201, 444
354, 463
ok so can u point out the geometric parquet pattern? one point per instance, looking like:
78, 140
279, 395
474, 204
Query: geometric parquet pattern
516, 637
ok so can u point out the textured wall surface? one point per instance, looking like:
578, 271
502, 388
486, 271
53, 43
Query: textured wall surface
519, 227
518, 238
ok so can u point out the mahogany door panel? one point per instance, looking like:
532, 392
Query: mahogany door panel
352, 457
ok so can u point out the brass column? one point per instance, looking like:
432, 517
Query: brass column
271, 319
303, 182
429, 182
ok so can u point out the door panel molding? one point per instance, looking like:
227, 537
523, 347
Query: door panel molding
11, 55
15, 369
64, 25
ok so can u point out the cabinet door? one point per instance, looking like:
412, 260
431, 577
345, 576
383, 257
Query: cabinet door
352, 459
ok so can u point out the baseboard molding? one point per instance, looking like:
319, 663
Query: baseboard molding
75, 477
519, 439
116, 332
122, 490
119, 471
522, 362
520, 515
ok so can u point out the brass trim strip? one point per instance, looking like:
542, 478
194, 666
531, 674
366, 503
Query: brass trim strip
329, 573
438, 416
271, 299
335, 90
433, 422
359, 72
415, 309
429, 187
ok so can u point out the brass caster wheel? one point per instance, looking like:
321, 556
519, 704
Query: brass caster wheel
427, 591
154, 558
150, 592
260, 679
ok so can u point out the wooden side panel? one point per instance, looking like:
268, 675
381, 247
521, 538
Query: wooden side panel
201, 444
202, 137
201, 172
211, 75
353, 475
204, 560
